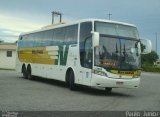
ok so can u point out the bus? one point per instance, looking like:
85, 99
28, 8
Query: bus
91, 52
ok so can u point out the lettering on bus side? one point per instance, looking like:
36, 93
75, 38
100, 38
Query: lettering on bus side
63, 54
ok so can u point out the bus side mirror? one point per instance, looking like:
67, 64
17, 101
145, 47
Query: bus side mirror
95, 37
146, 46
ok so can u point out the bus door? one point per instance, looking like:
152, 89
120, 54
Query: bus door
85, 44
86, 61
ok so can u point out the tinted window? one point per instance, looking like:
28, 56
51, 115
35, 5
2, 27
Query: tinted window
116, 29
85, 44
24, 37
71, 34
28, 40
30, 37
59, 34
48, 35
39, 36
9, 53
38, 39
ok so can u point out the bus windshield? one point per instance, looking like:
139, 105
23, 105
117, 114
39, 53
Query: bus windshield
119, 47
116, 30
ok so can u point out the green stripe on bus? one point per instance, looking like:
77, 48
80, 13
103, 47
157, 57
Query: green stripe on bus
63, 54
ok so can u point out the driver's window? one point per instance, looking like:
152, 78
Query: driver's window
85, 44
88, 53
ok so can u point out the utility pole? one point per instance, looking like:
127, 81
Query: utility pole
156, 42
55, 13
109, 15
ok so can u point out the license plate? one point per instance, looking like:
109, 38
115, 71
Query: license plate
119, 83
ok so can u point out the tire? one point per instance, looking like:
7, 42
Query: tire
108, 90
29, 73
72, 85
24, 72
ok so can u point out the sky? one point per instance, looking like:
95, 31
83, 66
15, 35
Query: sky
17, 16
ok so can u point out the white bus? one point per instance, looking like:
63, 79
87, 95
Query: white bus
91, 52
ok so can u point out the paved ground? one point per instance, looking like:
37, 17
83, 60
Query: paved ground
20, 94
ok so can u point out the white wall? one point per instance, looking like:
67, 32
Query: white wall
7, 62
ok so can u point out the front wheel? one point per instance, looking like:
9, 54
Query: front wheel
108, 90
72, 85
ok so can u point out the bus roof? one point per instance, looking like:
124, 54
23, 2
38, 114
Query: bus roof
63, 24
108, 21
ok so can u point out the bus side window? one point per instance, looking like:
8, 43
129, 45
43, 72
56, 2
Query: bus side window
71, 34
39, 37
30, 40
48, 35
88, 53
20, 37
59, 35
85, 52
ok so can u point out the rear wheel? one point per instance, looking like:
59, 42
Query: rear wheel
29, 73
24, 72
72, 85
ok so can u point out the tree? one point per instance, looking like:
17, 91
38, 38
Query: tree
149, 59
1, 41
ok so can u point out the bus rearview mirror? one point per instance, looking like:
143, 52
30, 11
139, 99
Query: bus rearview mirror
146, 46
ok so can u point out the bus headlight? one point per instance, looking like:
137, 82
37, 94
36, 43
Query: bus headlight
100, 73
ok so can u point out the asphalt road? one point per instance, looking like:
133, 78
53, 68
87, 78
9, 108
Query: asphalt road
20, 94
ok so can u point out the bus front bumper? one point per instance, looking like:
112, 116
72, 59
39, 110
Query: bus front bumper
103, 82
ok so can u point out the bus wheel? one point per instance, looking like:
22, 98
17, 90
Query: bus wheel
108, 90
24, 72
72, 81
29, 73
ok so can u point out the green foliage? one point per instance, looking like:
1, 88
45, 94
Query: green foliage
149, 59
151, 68
1, 41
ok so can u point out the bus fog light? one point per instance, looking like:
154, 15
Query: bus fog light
136, 76
101, 73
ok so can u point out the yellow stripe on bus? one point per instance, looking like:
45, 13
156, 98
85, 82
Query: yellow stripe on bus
126, 73
36, 55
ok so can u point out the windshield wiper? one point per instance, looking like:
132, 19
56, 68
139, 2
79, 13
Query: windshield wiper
116, 48
124, 53
106, 53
